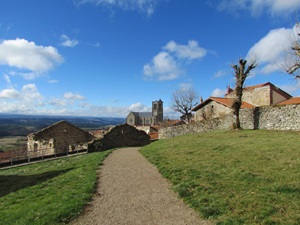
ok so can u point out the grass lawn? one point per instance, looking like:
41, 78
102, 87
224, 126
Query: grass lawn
51, 192
234, 177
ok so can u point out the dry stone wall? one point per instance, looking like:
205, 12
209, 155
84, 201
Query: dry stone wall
285, 117
120, 136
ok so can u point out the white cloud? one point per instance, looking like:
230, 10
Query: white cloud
166, 65
23, 54
7, 78
218, 92
9, 93
271, 52
186, 52
29, 100
220, 73
31, 95
186, 86
145, 6
29, 76
139, 107
163, 67
58, 102
96, 45
26, 100
52, 81
292, 89
28, 93
67, 42
72, 96
256, 7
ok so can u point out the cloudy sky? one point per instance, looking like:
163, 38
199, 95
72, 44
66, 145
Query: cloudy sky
110, 57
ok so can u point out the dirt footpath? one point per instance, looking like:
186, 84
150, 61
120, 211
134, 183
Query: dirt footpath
131, 191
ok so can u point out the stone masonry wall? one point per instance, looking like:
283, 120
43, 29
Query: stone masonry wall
122, 135
265, 118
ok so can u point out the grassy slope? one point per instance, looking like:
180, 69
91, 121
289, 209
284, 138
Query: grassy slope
50, 192
236, 177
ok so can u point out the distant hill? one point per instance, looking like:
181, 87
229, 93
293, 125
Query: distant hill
22, 125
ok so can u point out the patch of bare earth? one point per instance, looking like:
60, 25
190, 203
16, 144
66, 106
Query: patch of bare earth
132, 191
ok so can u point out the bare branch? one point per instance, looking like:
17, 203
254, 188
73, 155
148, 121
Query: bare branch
183, 101
294, 68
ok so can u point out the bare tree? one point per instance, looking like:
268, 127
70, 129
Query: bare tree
296, 50
183, 100
241, 72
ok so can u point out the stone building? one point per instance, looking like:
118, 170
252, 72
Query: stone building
147, 118
57, 138
253, 96
261, 94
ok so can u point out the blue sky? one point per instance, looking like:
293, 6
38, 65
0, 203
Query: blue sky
110, 57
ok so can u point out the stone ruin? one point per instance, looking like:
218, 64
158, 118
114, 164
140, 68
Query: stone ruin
120, 136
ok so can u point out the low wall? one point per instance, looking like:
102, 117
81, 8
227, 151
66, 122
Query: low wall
285, 117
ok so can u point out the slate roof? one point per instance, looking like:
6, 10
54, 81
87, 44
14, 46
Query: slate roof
143, 114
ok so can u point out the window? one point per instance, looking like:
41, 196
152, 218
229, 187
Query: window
35, 147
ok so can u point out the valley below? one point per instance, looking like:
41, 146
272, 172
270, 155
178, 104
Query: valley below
14, 128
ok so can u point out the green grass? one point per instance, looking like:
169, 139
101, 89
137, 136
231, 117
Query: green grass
234, 177
51, 192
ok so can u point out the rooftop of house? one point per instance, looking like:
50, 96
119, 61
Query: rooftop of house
224, 101
272, 86
58, 124
142, 114
228, 101
290, 101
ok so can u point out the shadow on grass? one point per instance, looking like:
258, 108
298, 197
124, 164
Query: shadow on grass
12, 183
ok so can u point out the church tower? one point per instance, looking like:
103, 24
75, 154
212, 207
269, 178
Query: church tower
157, 110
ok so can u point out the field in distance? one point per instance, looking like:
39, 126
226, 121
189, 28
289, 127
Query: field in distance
12, 143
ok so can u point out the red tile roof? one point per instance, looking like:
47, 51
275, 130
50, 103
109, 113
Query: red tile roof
224, 101
290, 101
273, 87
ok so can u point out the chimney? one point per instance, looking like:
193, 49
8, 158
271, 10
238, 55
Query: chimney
201, 99
229, 90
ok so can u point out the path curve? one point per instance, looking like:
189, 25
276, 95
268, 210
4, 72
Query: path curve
132, 191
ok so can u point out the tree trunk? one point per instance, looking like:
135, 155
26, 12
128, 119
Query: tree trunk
236, 108
241, 74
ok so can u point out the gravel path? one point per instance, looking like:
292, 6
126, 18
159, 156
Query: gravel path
131, 191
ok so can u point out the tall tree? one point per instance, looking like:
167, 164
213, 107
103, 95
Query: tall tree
295, 67
183, 100
241, 72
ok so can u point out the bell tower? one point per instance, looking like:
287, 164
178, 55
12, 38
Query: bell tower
157, 110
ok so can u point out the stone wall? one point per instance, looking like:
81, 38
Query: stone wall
279, 117
285, 117
120, 136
